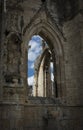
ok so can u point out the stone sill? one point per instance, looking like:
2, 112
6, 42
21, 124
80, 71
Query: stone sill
13, 85
42, 100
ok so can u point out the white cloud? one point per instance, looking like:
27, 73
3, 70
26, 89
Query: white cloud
38, 49
30, 80
51, 65
34, 51
33, 44
52, 77
32, 56
32, 66
37, 37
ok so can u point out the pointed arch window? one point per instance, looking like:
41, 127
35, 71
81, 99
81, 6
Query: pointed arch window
40, 69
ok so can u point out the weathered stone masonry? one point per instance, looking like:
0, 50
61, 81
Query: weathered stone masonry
60, 24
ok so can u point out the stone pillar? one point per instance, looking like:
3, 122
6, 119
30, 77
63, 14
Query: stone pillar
48, 81
35, 84
40, 81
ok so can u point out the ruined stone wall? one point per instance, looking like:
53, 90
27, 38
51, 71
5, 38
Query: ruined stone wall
61, 24
73, 59
40, 117
2, 36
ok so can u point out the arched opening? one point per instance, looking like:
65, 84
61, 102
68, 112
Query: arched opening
41, 72
34, 51
53, 39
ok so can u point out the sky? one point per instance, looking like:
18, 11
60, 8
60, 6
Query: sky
34, 51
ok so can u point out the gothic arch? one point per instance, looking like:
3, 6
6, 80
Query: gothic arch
54, 39
43, 85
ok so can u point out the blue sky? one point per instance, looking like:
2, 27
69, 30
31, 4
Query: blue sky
33, 53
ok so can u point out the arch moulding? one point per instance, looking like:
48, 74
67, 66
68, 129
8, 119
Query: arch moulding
54, 39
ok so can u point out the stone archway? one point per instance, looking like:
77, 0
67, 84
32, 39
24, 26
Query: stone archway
44, 84
54, 39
